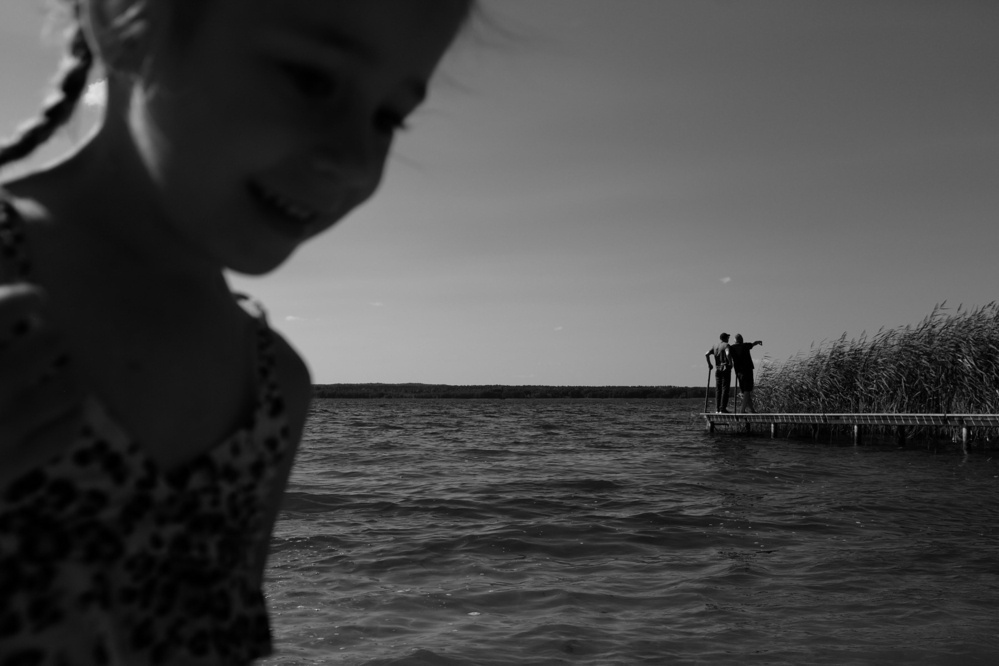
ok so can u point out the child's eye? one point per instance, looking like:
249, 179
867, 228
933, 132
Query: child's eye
388, 121
310, 81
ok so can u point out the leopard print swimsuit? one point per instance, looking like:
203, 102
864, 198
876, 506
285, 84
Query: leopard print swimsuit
107, 559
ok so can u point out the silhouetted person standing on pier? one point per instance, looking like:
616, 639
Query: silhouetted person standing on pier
742, 361
723, 373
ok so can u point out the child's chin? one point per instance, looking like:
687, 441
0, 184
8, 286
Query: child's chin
259, 265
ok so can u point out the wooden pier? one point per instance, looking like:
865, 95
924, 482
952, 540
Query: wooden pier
963, 423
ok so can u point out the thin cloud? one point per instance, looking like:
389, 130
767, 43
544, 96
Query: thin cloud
726, 280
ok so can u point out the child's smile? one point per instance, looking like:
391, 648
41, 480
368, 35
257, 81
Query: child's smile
281, 205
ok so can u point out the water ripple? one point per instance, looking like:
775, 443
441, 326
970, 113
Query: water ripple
484, 533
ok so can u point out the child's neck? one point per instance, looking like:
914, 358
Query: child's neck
153, 330
104, 193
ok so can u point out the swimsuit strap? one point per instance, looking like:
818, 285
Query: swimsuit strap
268, 389
14, 263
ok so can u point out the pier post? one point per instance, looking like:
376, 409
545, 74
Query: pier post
856, 434
964, 439
773, 431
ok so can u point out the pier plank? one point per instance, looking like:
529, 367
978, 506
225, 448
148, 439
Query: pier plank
950, 420
963, 422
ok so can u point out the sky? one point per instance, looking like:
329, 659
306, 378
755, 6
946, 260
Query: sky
596, 189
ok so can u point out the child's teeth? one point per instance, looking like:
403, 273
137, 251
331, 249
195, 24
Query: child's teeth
287, 206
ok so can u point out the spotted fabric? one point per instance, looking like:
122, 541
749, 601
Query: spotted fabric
107, 559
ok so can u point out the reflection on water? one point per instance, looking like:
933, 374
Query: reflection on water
620, 532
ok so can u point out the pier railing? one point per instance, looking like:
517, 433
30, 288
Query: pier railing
961, 422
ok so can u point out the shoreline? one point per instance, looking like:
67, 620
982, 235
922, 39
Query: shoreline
503, 392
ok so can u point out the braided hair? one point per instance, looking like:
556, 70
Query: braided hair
58, 107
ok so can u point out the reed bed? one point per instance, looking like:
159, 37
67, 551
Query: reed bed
946, 364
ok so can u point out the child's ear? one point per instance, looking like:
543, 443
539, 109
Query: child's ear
118, 31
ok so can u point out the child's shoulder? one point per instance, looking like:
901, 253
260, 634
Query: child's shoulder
10, 205
19, 207
13, 257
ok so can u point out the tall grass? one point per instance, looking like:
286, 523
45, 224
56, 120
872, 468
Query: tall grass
948, 363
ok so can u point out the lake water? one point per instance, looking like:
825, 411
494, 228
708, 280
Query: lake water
446, 533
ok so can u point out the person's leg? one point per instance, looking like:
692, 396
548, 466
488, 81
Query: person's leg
738, 390
720, 391
747, 405
726, 389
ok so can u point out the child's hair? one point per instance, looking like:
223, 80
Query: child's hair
59, 107
76, 66
71, 82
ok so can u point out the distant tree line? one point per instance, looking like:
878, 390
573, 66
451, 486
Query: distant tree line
501, 392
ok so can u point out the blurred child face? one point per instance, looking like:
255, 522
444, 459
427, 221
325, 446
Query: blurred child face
273, 118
